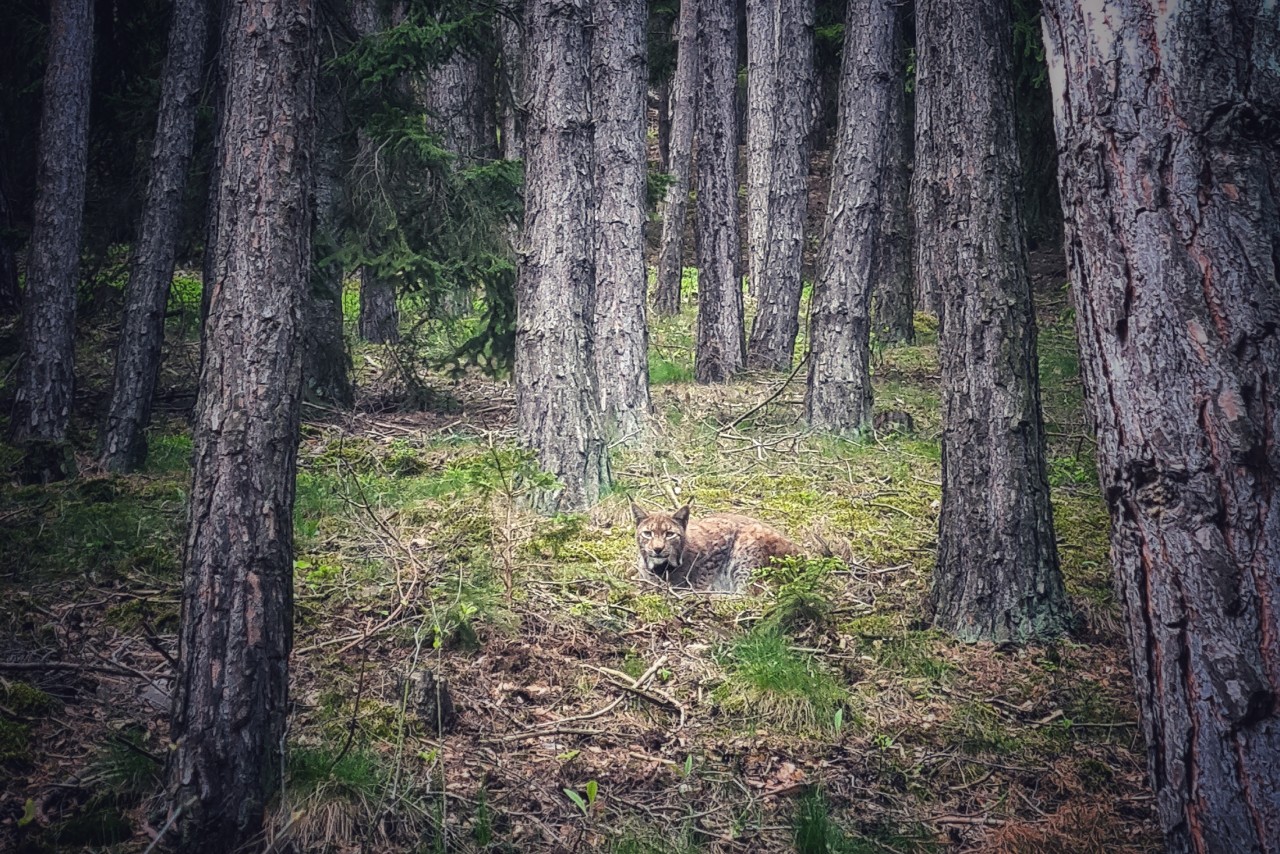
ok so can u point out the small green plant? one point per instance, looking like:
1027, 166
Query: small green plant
769, 683
584, 803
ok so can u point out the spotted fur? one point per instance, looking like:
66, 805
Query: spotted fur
716, 552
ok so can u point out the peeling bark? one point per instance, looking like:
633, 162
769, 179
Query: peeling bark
997, 575
232, 693
1168, 128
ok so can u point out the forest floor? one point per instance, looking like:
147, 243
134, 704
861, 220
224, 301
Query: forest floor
590, 709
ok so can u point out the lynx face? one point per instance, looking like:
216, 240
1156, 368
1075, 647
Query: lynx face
661, 538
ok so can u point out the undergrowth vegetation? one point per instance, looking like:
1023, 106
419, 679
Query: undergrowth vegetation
469, 677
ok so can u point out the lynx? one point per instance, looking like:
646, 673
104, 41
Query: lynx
716, 552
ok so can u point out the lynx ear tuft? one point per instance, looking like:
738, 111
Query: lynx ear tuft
638, 512
682, 515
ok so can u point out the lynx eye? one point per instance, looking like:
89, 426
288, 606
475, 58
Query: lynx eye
646, 534
671, 535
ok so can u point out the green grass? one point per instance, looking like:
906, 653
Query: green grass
769, 684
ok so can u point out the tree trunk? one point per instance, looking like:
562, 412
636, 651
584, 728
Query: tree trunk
858, 245
46, 376
664, 125
123, 444
555, 396
620, 337
719, 352
233, 691
781, 159
379, 315
510, 99
10, 294
675, 206
326, 364
892, 300
997, 575
456, 99
761, 21
1169, 165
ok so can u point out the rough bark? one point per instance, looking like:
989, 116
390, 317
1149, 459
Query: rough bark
456, 98
779, 252
664, 125
1168, 131
379, 315
123, 444
10, 294
893, 296
997, 574
326, 363
857, 246
761, 24
555, 396
719, 353
46, 375
620, 337
510, 78
236, 632
675, 205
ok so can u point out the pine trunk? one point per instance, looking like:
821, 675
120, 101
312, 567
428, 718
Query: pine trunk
123, 444
456, 99
379, 315
857, 242
620, 336
1169, 165
720, 352
555, 396
997, 575
675, 205
326, 364
776, 282
236, 632
761, 113
893, 297
46, 374
510, 100
664, 125
10, 294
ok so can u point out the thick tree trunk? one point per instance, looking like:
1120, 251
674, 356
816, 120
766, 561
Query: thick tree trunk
1169, 162
232, 694
123, 444
10, 294
510, 98
379, 314
326, 363
857, 244
620, 337
675, 206
720, 352
46, 375
555, 396
788, 89
997, 574
893, 297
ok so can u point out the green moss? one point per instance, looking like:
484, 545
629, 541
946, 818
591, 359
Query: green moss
27, 700
14, 741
